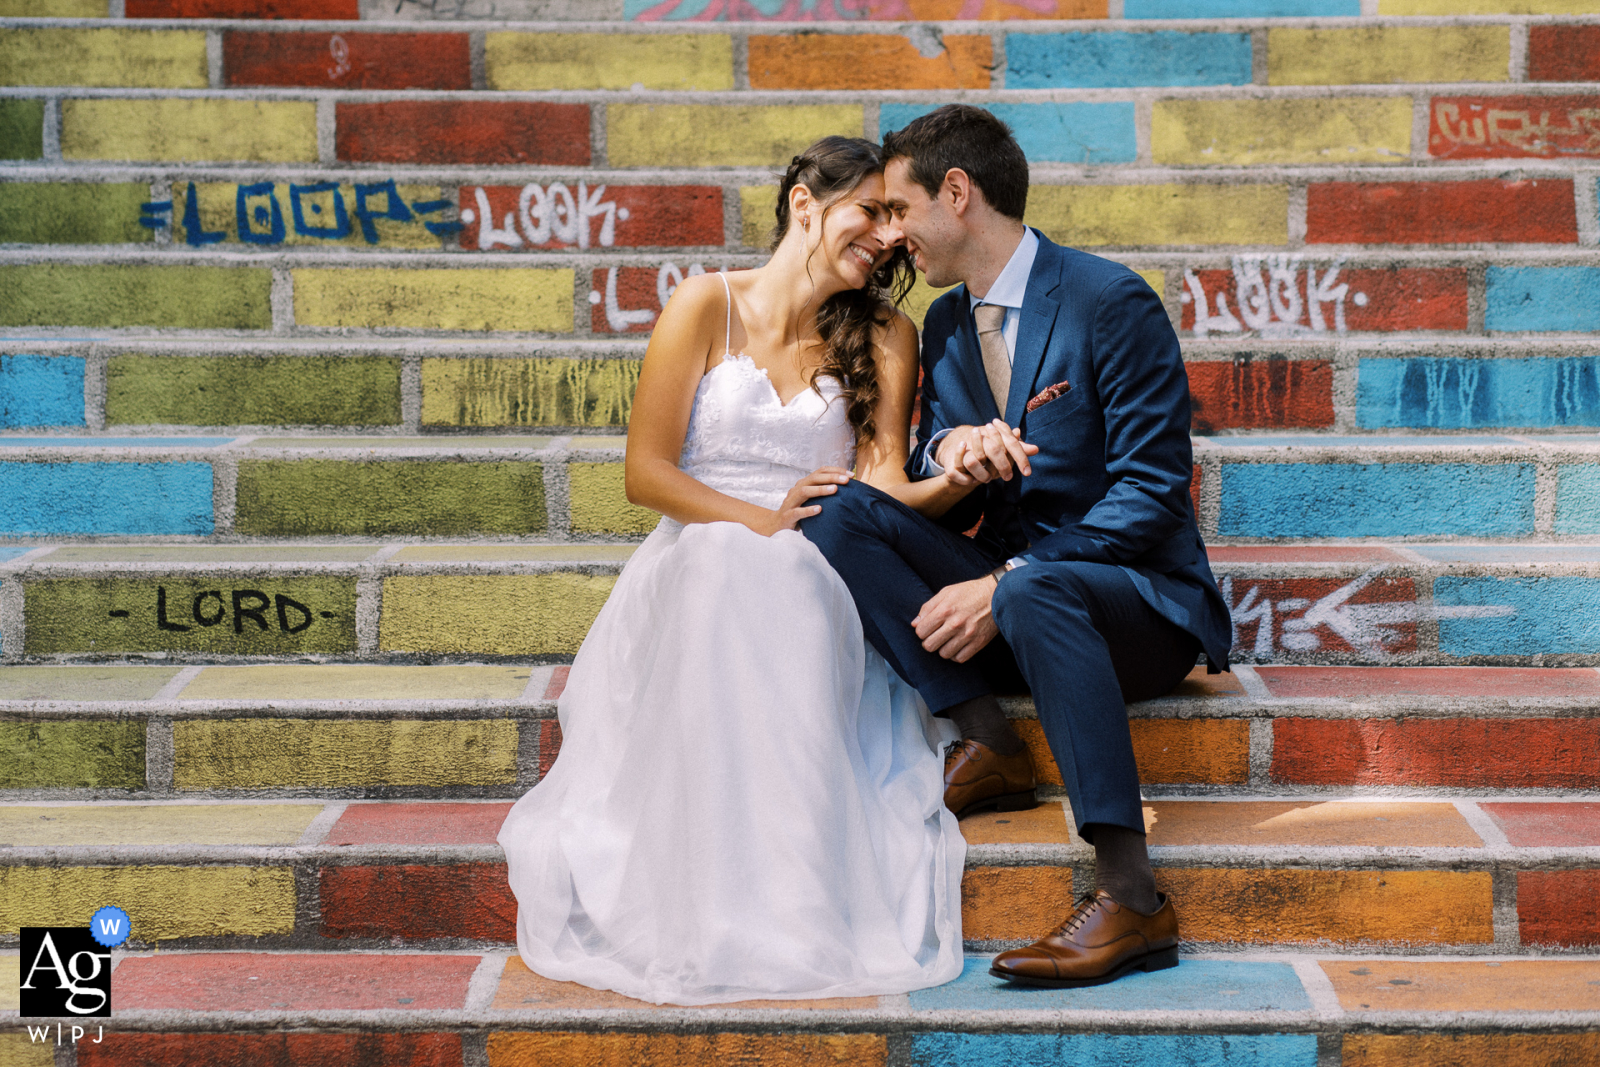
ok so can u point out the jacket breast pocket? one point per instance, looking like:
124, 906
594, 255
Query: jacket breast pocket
1048, 415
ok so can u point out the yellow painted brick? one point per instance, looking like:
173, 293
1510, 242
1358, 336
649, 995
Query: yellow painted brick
156, 824
1351, 129
357, 681
1470, 1050
249, 131
710, 135
18, 1050
511, 614
540, 61
266, 753
1379, 54
1014, 903
54, 9
564, 1049
219, 213
488, 299
1489, 7
1084, 215
757, 205
599, 502
134, 59
163, 902
528, 392
10, 976
921, 298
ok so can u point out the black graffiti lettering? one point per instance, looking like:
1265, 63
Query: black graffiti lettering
161, 613
284, 604
256, 612
209, 620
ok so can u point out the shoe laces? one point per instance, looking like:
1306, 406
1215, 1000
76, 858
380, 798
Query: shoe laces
1079, 915
964, 745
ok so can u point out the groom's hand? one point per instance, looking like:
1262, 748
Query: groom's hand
977, 454
957, 622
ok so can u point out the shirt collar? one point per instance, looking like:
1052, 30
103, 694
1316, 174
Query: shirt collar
1011, 286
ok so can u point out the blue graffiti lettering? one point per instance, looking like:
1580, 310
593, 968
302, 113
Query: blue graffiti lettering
394, 207
193, 232
298, 201
268, 215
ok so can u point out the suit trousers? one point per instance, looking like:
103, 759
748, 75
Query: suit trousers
1077, 635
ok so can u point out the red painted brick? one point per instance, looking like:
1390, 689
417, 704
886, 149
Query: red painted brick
638, 289
1302, 554
1374, 300
271, 1050
1493, 753
418, 902
418, 824
1195, 474
347, 60
1493, 682
549, 742
464, 131
1280, 603
1564, 53
1400, 213
1514, 127
1559, 907
640, 215
1533, 824
297, 981
1258, 394
243, 9
558, 682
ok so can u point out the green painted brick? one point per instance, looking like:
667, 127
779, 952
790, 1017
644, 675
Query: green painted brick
528, 392
599, 501
303, 498
21, 129
79, 213
246, 614
252, 391
39, 755
194, 298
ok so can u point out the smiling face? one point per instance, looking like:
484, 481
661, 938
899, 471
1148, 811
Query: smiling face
850, 237
929, 225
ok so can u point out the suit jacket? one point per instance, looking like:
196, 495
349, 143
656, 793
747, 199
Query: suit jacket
1111, 481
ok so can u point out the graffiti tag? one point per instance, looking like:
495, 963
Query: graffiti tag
628, 299
1546, 127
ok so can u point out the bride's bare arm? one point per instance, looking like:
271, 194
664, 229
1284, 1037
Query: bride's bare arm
690, 327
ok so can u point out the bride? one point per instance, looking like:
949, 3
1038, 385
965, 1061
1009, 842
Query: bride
748, 802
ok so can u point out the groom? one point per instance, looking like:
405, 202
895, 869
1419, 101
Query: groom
1054, 389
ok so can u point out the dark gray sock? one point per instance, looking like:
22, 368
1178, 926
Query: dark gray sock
1122, 867
980, 719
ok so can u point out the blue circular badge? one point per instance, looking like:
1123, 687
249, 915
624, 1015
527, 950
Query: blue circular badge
110, 926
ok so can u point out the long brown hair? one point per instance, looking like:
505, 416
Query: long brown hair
846, 321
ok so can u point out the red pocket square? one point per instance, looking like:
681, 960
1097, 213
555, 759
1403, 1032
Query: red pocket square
1045, 396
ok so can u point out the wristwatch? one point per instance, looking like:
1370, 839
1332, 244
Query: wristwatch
1009, 565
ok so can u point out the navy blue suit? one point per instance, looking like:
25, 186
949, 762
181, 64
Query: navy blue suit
1117, 599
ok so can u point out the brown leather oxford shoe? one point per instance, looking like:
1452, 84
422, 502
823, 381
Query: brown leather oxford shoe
1100, 942
977, 778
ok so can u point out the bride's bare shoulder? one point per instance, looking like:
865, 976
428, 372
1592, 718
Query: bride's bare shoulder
897, 338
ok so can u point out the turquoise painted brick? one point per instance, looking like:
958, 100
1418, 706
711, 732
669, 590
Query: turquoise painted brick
1238, 9
44, 499
1462, 394
1113, 60
1051, 133
41, 391
1555, 299
1578, 500
1198, 985
1534, 615
1114, 1050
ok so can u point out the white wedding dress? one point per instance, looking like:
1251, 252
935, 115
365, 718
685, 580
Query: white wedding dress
748, 803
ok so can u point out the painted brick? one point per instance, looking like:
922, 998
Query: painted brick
498, 133
1113, 60
528, 392
1457, 986
562, 1049
522, 989
364, 214
1379, 54
195, 298
867, 61
347, 60
272, 1050
253, 391
1198, 985
1349, 907
190, 130
297, 981
1578, 498
599, 503
134, 59
249, 615
1525, 211
435, 299
243, 9
1564, 53
916, 305
21, 128
1534, 824
429, 823
1267, 294
1130, 1050
1543, 298
544, 61
156, 824
415, 902
1239, 9
1307, 130
1050, 133
1468, 1050
1542, 392
557, 686
1551, 615
1278, 615
17, 1049
1047, 824
1468, 753
40, 390
1308, 824
1257, 394
163, 902
1559, 907
1083, 215
323, 754
304, 498
851, 10
76, 213
72, 755
523, 614
97, 682
1513, 127
1508, 683
54, 9
1014, 903
1486, 7
549, 743
357, 681
1376, 499
1303, 554
628, 299
708, 135
560, 216
1188, 751
45, 499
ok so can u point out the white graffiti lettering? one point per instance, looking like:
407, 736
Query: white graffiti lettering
1274, 296
545, 214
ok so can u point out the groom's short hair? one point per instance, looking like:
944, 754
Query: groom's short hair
972, 139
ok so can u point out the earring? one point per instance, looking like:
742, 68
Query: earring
805, 223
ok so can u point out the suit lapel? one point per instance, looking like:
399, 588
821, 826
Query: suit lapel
1039, 309
970, 359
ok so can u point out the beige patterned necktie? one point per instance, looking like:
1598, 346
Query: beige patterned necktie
991, 341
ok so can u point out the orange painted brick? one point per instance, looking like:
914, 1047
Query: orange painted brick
1310, 823
1495, 753
1207, 751
271, 1050
521, 988
1014, 903
1559, 907
1399, 984
867, 61
1349, 907
1470, 1050
1202, 684
1048, 824
564, 1049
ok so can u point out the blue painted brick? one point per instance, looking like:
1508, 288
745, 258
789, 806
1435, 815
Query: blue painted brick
1112, 60
44, 499
1376, 499
1114, 1050
1543, 298
1578, 500
114, 442
14, 551
1238, 9
1550, 615
1051, 133
1194, 985
1469, 393
41, 391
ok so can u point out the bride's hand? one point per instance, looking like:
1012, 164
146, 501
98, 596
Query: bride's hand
824, 481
